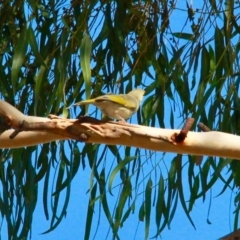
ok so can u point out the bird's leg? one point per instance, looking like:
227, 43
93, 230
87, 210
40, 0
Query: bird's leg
105, 118
121, 120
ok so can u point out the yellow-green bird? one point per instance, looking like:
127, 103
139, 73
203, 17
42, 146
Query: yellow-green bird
119, 107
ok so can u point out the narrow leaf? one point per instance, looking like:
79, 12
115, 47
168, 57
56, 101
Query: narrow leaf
19, 57
85, 50
148, 197
34, 46
90, 212
120, 166
186, 36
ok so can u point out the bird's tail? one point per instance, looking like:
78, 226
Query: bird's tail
86, 102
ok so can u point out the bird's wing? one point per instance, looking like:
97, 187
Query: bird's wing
116, 99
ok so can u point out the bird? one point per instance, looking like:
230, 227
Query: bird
119, 107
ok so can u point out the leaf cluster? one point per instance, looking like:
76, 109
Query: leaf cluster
55, 53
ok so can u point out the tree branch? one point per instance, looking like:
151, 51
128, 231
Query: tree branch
35, 130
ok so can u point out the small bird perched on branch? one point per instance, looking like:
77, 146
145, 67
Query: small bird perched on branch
119, 107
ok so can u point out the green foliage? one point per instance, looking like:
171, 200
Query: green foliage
55, 53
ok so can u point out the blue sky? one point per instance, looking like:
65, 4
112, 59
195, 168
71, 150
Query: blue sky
73, 226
